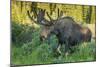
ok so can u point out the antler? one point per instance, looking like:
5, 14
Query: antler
40, 18
34, 20
60, 14
49, 16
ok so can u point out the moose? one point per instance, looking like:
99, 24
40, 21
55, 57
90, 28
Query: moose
68, 32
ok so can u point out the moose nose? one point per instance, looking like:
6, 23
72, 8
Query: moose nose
42, 38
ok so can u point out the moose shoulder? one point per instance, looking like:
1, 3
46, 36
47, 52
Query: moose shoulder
67, 31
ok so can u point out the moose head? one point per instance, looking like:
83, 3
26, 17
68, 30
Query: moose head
48, 25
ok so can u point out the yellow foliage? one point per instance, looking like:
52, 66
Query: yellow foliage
19, 11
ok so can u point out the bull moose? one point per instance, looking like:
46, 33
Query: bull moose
67, 31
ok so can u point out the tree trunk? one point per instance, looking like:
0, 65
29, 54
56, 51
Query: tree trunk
89, 13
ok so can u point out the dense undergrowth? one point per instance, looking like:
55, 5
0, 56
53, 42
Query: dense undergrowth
27, 48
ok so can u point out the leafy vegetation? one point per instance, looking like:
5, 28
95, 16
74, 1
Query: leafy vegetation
37, 52
26, 47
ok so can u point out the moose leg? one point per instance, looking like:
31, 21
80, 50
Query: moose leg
58, 49
49, 39
66, 48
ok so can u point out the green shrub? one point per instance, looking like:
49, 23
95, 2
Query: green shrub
32, 51
21, 33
